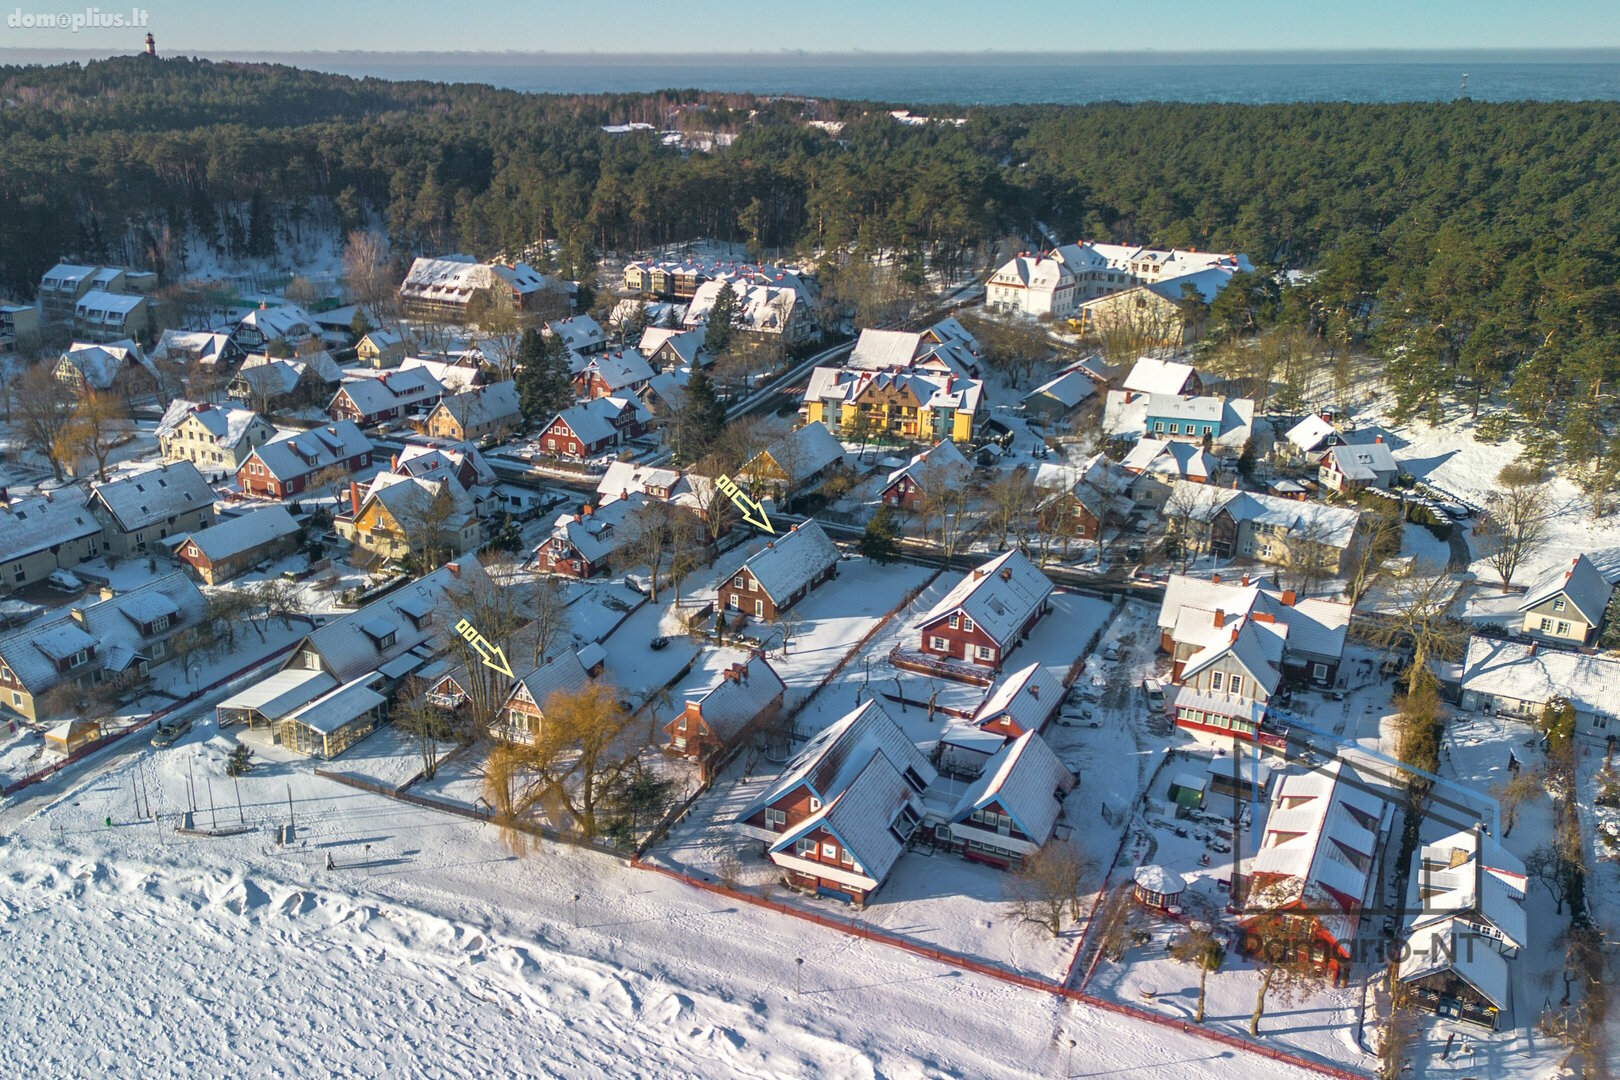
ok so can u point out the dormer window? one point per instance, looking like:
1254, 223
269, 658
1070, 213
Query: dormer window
1559, 604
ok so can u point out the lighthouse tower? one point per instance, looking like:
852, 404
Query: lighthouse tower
151, 46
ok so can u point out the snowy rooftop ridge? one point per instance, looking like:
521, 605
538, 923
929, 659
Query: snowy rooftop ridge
790, 562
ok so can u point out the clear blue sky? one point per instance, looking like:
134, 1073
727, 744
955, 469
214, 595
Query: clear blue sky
660, 26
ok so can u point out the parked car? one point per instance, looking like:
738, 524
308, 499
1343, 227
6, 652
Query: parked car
64, 581
1153, 690
659, 642
1111, 652
167, 733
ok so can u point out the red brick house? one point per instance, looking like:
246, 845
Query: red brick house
988, 613
843, 811
708, 724
284, 467
595, 427
583, 545
784, 572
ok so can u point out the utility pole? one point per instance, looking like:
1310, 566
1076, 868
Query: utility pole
212, 815
1237, 821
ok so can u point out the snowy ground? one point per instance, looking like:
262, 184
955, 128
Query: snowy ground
131, 950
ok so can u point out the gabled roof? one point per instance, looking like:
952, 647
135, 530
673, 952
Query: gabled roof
597, 535
623, 477
1470, 875
349, 645
1026, 697
236, 535
999, 596
278, 322
1173, 459
787, 563
44, 521
1334, 526
149, 497
884, 350
227, 424
399, 388
454, 377
742, 694
198, 345
1256, 646
1310, 433
1453, 945
942, 460
1068, 388
860, 815
803, 452
100, 365
562, 673
1363, 461
1580, 582
460, 460
113, 626
1027, 781
831, 760
484, 405
592, 421
1320, 847
1315, 628
580, 333
1153, 376
1524, 672
620, 369
407, 498
309, 451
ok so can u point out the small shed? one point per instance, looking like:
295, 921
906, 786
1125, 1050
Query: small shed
1158, 888
1188, 789
1251, 776
72, 735
593, 658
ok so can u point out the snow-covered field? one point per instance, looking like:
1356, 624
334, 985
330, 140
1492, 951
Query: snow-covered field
129, 951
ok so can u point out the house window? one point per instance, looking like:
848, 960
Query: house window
1546, 624
1175, 428
1319, 672
985, 652
1558, 604
733, 602
774, 818
939, 644
759, 609
1563, 628
680, 742
815, 804
1215, 680
846, 858
967, 624
829, 850
1158, 427
955, 622
737, 582
680, 725
1236, 686
805, 847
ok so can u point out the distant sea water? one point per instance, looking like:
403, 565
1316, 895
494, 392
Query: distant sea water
1002, 79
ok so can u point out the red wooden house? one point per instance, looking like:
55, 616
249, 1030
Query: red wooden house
285, 466
842, 812
595, 427
388, 396
708, 724
622, 373
988, 613
930, 471
787, 570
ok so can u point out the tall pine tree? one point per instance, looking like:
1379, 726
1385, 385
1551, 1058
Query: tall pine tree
544, 389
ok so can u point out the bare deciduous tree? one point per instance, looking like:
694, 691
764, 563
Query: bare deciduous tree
100, 423
369, 273
1046, 888
1203, 950
1284, 961
1516, 520
44, 409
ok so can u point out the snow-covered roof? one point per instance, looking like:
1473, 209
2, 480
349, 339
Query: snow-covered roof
1026, 697
461, 460
227, 424
1310, 433
282, 692
399, 388
600, 533
998, 596
942, 460
236, 535
742, 694
1456, 946
1536, 674
684, 343
832, 759
621, 369
288, 320
1026, 779
490, 404
407, 499
860, 815
1256, 645
580, 333
309, 451
623, 477
1152, 376
1177, 407
592, 421
929, 390
98, 302
1334, 526
1320, 845
1580, 582
349, 646
152, 496
1160, 880
789, 562
332, 710
454, 377
762, 308
884, 350
1363, 461
1470, 875
457, 278
1249, 770
201, 346
564, 673
805, 451
67, 274
1315, 628
44, 521
1173, 459
1068, 388
112, 625
100, 365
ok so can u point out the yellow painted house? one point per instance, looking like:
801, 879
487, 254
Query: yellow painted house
389, 520
908, 405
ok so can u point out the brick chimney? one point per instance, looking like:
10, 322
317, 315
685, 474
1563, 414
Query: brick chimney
393, 463
977, 574
587, 510
1214, 579
354, 498
1006, 574
1289, 597
1245, 581
1220, 619
1378, 438
454, 568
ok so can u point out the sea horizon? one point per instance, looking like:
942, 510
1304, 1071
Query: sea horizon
985, 78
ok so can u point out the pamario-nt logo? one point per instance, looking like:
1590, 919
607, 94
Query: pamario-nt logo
90, 18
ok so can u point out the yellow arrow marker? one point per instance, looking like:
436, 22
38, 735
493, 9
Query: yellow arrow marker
751, 509
485, 648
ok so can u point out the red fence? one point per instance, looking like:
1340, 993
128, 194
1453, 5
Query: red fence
996, 971
107, 740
